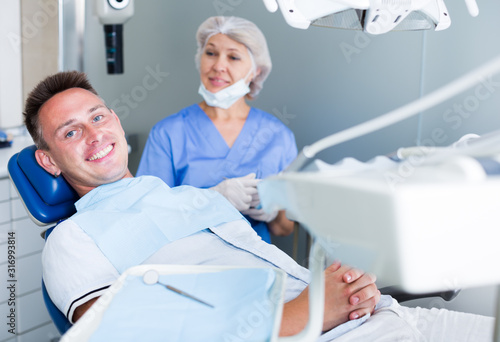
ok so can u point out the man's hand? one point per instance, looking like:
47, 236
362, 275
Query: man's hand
349, 294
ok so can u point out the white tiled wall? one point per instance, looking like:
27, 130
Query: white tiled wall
33, 323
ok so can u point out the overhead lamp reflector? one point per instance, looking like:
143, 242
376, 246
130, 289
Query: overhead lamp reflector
372, 16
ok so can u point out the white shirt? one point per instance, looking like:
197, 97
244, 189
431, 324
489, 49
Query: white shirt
75, 270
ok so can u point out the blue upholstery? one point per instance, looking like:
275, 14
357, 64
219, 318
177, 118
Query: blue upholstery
60, 321
48, 201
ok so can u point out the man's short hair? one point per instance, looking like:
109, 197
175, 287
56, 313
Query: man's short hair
43, 92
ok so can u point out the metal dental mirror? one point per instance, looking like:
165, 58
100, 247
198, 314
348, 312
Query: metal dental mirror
152, 277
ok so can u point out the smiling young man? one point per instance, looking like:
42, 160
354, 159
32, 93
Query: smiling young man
90, 143
123, 221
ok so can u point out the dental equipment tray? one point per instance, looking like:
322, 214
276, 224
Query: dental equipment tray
84, 329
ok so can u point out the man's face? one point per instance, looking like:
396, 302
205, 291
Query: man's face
86, 141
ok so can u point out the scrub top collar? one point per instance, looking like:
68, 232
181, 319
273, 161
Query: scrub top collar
215, 140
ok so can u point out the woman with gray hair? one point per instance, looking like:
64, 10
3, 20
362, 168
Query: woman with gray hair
222, 143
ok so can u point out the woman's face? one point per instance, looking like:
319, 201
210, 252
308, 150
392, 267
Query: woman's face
224, 62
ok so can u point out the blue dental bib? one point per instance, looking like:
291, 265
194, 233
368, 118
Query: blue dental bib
132, 218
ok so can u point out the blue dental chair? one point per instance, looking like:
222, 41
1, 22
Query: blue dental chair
48, 200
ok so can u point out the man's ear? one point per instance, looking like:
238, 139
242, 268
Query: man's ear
45, 161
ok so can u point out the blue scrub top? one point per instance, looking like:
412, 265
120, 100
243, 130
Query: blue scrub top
187, 149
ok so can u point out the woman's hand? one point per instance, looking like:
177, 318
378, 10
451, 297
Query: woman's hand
238, 191
281, 225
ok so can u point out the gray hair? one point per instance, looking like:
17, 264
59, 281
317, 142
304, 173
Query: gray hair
244, 32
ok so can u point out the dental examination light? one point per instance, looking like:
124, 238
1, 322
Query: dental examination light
113, 14
372, 16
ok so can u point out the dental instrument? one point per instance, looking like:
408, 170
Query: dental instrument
152, 277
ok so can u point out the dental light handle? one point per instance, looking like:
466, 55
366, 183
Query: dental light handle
461, 84
472, 7
271, 5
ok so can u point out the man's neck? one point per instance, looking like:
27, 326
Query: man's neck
82, 190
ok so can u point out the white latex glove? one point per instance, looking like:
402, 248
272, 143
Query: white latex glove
260, 214
255, 202
238, 191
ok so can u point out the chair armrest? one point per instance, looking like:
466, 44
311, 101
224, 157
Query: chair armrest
402, 296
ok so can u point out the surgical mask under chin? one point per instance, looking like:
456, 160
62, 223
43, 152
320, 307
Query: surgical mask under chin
226, 97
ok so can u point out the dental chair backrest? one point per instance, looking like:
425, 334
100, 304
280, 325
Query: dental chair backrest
48, 201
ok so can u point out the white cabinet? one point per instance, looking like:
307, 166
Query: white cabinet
32, 321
